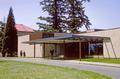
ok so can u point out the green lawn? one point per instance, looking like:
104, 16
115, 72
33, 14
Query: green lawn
20, 70
103, 60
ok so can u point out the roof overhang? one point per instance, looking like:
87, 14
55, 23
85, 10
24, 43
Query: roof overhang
68, 39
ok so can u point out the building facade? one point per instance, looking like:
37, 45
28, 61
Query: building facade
111, 47
94, 43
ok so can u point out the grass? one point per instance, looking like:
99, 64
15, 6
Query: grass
103, 60
20, 70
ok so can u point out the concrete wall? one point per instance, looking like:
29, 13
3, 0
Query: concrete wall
39, 50
29, 49
111, 47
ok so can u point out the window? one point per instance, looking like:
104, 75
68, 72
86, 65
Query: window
96, 48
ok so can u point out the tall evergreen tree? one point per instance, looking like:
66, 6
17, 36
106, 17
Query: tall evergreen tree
10, 36
76, 15
54, 9
64, 15
2, 24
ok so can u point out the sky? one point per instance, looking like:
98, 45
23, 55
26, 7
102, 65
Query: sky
102, 13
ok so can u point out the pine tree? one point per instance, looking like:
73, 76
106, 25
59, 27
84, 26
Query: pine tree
76, 15
1, 37
2, 24
64, 15
54, 9
9, 43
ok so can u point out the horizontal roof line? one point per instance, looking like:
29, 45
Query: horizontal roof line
67, 37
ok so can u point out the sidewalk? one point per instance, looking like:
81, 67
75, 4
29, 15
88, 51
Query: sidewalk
94, 63
69, 61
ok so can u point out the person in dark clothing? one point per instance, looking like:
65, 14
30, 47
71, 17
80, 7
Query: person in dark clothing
21, 53
24, 54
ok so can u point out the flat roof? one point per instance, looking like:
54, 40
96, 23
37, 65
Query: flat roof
67, 39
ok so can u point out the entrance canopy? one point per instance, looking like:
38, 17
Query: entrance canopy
68, 39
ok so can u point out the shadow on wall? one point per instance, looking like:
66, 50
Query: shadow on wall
112, 49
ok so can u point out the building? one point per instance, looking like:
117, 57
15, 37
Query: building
97, 42
23, 29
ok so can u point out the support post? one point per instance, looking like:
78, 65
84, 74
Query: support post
107, 50
89, 48
43, 50
64, 49
113, 49
55, 50
34, 50
80, 50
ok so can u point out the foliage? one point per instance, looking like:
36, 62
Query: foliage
76, 15
2, 24
54, 9
10, 36
64, 15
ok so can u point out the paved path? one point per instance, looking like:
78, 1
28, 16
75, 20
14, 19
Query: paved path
109, 71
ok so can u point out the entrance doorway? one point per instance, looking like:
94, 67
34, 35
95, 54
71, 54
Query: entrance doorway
71, 50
